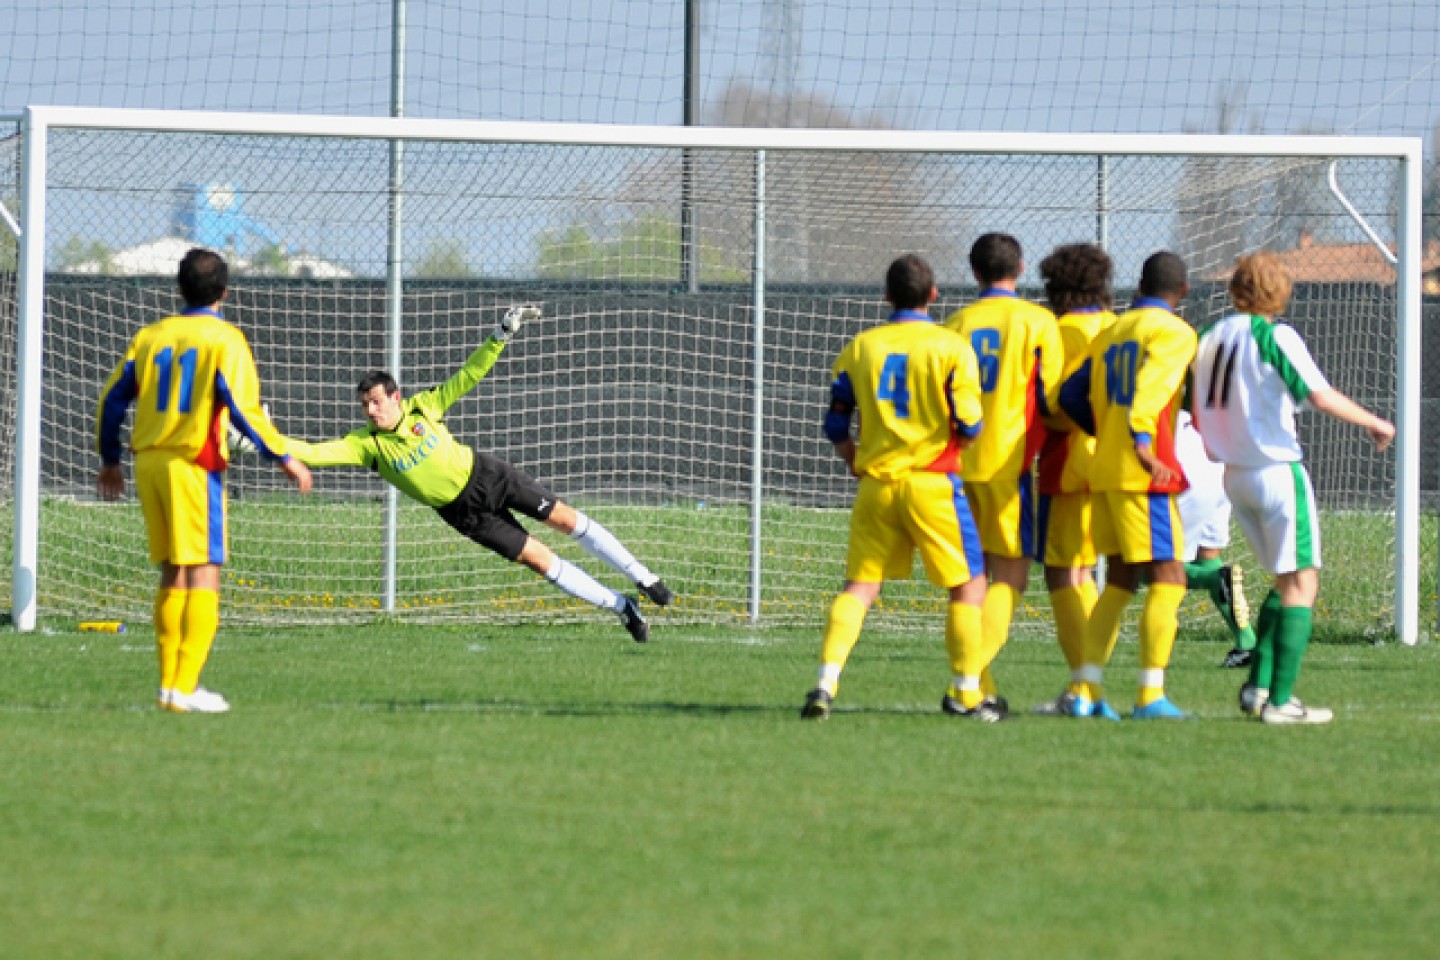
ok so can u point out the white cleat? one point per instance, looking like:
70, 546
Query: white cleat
201, 701
1253, 700
1293, 711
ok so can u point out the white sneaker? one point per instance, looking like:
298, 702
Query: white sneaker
1293, 711
201, 701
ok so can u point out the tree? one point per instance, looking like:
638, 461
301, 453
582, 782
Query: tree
271, 260
93, 256
444, 259
645, 248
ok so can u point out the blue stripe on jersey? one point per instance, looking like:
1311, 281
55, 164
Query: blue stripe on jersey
1162, 536
1075, 399
903, 315
222, 390
969, 533
117, 402
1151, 303
1027, 514
842, 407
215, 515
997, 292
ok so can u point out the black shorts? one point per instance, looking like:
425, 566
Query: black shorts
482, 511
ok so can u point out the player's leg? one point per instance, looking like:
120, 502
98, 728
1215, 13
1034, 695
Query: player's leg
938, 517
152, 487
1156, 536
499, 535
1063, 541
601, 544
1297, 582
188, 606
1086, 694
1004, 514
879, 546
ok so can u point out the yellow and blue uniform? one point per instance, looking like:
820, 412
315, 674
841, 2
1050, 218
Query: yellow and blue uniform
419, 457
916, 389
1063, 470
189, 377
1129, 392
1020, 358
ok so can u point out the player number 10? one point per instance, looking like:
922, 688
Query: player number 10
164, 363
1120, 363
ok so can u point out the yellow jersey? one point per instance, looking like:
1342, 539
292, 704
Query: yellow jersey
189, 376
1017, 347
1064, 465
916, 389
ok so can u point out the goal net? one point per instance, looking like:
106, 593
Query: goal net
696, 286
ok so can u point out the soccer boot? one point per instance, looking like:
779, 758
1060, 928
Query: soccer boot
1161, 709
1293, 711
1252, 699
163, 698
1050, 708
633, 621
989, 710
1101, 710
1237, 658
201, 701
817, 705
1232, 581
657, 592
1072, 704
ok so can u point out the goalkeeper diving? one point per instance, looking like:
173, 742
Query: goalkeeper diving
406, 443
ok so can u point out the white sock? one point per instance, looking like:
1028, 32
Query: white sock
603, 545
829, 679
578, 583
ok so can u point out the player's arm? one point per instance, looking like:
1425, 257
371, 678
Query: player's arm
1158, 379
435, 401
1074, 398
1336, 404
351, 450
838, 417
1049, 367
962, 394
237, 387
115, 399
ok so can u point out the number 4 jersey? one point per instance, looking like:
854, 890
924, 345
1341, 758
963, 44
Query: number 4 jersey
1250, 376
916, 388
185, 375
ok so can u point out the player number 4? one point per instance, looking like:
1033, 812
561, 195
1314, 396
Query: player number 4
892, 385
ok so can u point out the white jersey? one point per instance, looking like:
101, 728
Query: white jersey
1204, 508
1250, 376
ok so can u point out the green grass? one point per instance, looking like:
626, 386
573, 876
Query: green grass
556, 791
301, 560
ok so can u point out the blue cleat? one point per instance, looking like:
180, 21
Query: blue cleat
1161, 709
1103, 711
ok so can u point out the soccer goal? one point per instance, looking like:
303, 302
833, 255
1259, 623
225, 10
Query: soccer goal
696, 285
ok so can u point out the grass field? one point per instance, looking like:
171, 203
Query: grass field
517, 792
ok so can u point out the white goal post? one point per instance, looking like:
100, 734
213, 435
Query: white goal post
646, 392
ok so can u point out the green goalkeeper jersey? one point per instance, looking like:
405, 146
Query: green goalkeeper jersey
419, 456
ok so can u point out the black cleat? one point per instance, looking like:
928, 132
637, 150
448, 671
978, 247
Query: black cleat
817, 705
1237, 658
633, 621
989, 710
658, 593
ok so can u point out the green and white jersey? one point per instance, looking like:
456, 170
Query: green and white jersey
419, 457
1250, 376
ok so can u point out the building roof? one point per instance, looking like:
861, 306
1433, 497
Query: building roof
1312, 262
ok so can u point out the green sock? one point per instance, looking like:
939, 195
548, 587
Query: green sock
1262, 665
1203, 575
1245, 638
1290, 642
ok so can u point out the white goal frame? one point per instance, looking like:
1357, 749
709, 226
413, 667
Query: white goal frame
39, 121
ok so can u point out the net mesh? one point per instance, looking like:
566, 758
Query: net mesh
632, 397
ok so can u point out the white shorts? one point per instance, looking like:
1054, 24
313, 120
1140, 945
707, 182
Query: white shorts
1276, 508
1205, 515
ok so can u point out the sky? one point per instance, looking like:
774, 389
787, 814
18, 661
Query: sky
1162, 66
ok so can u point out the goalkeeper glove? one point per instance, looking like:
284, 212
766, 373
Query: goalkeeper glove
510, 323
241, 444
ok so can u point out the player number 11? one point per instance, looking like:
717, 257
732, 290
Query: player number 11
165, 363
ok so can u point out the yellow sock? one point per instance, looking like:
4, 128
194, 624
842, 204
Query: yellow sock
1072, 613
169, 627
1101, 632
965, 642
842, 630
202, 619
1158, 623
995, 620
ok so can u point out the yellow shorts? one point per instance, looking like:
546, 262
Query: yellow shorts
891, 519
184, 507
1138, 527
1004, 512
1062, 530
